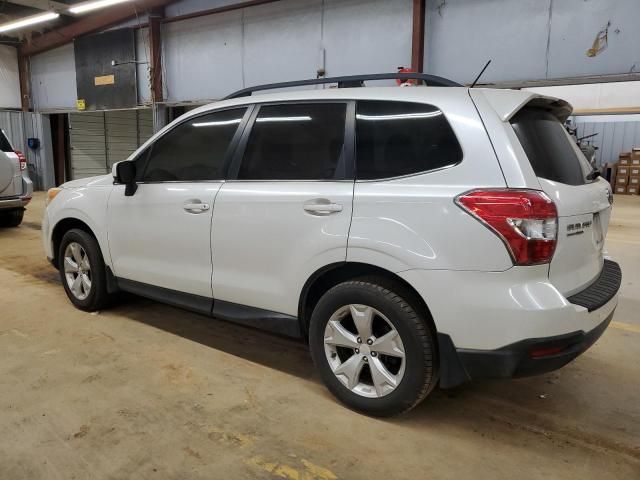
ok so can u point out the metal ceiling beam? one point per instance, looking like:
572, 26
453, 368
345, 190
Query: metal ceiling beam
213, 11
90, 23
42, 5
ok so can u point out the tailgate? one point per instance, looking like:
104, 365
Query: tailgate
10, 174
583, 203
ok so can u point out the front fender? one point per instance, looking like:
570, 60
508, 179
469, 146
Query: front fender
87, 205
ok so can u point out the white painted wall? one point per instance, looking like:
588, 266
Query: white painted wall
530, 39
207, 58
53, 79
9, 80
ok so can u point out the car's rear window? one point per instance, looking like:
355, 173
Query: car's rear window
549, 147
5, 145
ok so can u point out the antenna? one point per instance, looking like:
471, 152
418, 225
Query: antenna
480, 74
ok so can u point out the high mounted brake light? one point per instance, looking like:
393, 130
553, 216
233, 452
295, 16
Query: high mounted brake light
525, 220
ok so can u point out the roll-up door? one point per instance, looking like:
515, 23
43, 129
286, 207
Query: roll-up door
87, 142
100, 139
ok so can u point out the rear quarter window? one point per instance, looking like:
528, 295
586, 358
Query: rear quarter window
551, 151
394, 139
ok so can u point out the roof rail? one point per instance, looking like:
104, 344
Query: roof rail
349, 81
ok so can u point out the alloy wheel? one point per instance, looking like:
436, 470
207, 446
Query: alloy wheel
364, 350
77, 270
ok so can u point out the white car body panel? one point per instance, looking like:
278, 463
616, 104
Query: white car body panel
488, 310
85, 200
154, 240
399, 222
265, 245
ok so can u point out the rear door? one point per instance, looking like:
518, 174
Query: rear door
583, 202
285, 210
10, 174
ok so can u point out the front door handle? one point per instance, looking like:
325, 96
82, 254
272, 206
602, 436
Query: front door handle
196, 206
322, 206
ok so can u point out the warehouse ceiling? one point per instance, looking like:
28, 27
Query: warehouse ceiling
22, 20
18, 10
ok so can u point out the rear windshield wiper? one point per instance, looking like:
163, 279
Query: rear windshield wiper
595, 173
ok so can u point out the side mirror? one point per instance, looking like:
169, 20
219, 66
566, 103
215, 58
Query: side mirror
126, 173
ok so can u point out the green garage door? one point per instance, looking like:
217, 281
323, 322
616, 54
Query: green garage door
99, 139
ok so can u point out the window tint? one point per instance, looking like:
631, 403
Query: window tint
5, 145
296, 142
550, 149
194, 150
399, 138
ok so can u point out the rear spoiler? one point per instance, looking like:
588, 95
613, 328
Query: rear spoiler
507, 103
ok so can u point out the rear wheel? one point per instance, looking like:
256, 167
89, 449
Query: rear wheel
374, 350
83, 271
11, 218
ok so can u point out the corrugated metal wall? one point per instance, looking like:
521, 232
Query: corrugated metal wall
282, 41
616, 134
208, 57
9, 77
53, 79
99, 139
19, 127
530, 39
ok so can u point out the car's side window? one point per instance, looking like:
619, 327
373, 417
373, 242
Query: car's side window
296, 142
402, 138
194, 150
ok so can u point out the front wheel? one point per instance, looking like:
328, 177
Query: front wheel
82, 271
374, 351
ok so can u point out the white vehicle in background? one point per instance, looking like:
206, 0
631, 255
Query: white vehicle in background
414, 237
16, 187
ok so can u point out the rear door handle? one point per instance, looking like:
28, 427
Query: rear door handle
322, 206
196, 206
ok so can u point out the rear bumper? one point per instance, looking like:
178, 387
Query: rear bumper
462, 365
14, 202
534, 356
18, 201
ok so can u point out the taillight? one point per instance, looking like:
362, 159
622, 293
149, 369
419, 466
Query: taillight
23, 160
525, 220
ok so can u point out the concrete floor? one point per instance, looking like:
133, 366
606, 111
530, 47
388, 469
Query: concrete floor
148, 391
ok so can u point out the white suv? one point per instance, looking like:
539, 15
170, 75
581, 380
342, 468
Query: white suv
414, 236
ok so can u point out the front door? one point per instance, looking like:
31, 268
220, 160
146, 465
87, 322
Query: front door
288, 211
161, 235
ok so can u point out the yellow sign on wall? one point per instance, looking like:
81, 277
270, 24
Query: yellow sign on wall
104, 80
80, 105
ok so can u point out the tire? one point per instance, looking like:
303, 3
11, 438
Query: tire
96, 297
11, 218
392, 309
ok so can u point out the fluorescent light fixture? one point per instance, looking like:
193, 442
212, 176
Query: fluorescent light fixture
215, 124
94, 5
283, 119
26, 21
